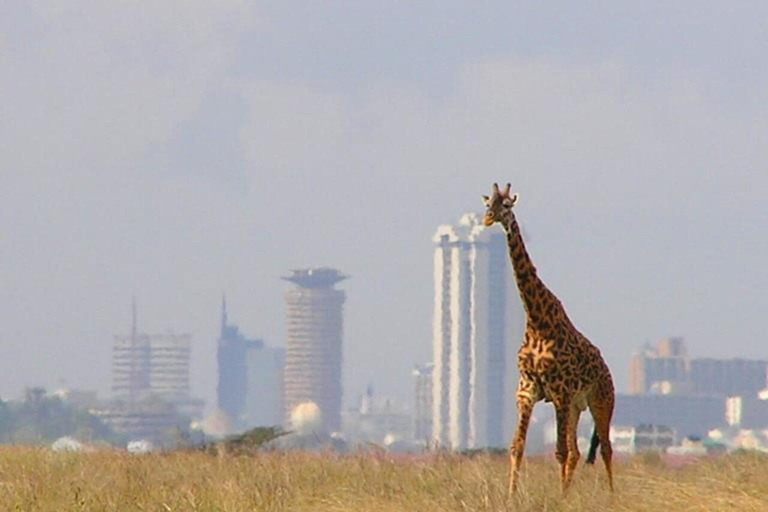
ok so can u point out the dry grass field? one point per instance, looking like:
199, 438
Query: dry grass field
39, 480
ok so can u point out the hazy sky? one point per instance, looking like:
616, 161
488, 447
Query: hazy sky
177, 150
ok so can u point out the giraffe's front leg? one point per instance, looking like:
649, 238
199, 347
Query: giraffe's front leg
561, 449
527, 395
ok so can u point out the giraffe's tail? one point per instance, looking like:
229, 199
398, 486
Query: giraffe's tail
593, 447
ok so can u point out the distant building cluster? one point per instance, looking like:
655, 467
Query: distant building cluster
150, 384
667, 369
463, 399
693, 395
378, 421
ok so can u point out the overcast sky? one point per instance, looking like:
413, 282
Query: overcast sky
176, 150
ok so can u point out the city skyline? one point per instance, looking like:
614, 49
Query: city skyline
348, 397
173, 152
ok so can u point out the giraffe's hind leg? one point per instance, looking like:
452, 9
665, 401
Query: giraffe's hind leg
601, 407
593, 447
572, 441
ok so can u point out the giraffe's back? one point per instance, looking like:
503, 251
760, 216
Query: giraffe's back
563, 363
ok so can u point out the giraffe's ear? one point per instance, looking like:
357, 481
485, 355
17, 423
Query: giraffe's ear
486, 200
511, 201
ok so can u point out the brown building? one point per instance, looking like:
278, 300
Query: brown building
313, 344
665, 365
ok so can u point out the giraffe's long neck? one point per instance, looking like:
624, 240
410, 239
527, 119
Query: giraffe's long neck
532, 289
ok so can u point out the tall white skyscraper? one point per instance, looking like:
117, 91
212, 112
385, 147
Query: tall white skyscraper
478, 326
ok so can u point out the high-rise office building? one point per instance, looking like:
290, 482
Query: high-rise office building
250, 382
313, 344
169, 366
477, 327
130, 367
144, 365
422, 402
264, 394
130, 363
231, 354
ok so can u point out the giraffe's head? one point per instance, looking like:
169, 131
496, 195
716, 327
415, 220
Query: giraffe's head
499, 205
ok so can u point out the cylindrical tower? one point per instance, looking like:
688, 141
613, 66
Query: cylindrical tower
313, 344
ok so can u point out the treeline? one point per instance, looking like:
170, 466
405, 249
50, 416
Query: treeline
41, 418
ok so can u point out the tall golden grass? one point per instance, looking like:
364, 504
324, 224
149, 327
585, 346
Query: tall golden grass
39, 480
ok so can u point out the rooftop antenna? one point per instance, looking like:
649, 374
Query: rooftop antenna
133, 318
223, 313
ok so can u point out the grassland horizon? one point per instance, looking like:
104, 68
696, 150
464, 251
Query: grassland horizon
36, 479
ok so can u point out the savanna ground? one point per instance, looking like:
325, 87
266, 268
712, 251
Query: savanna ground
39, 480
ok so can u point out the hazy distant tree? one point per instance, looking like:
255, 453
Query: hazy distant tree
6, 422
41, 419
252, 440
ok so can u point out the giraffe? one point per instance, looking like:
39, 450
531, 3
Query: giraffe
557, 363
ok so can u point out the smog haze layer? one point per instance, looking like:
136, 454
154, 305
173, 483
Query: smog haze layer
178, 150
